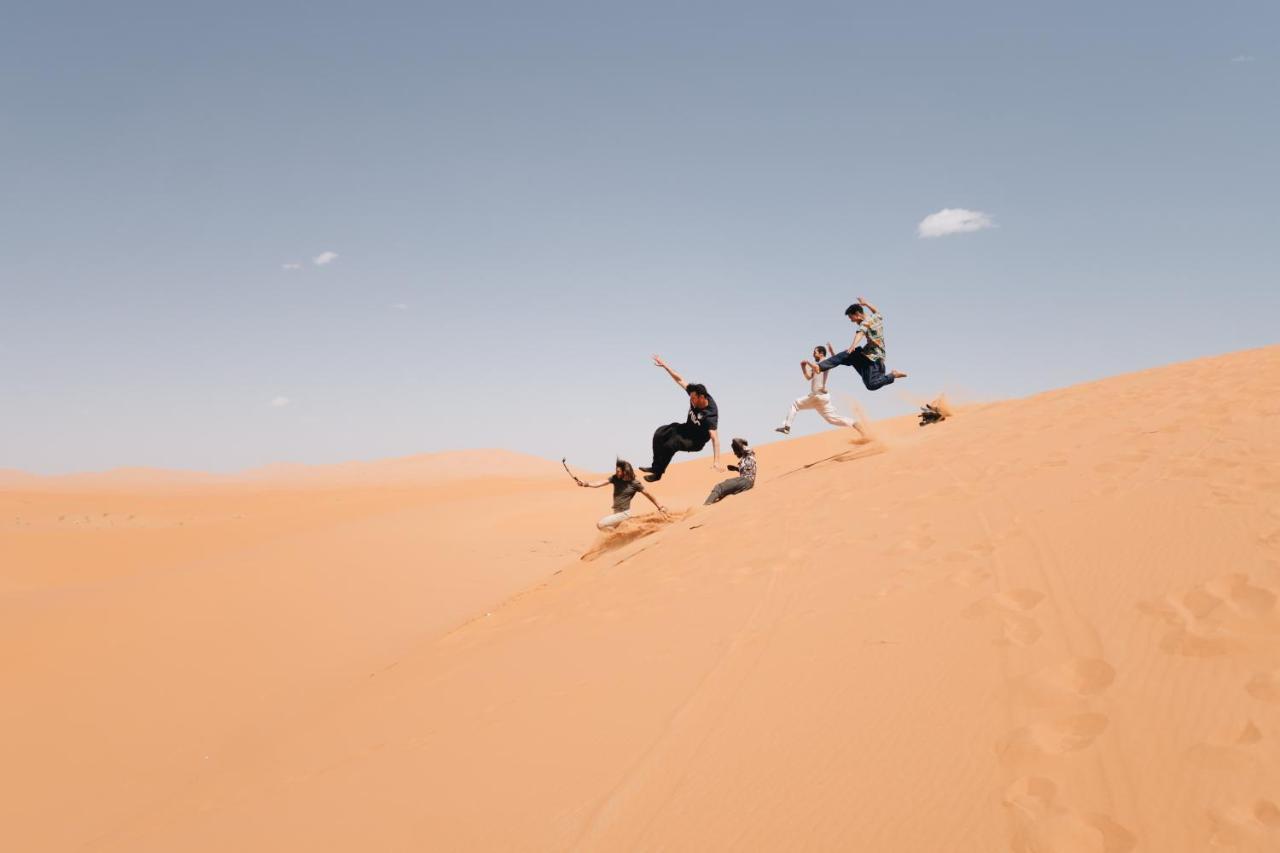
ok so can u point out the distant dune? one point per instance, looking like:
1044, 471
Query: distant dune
1048, 624
426, 468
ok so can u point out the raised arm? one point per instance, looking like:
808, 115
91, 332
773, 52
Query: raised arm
865, 304
679, 380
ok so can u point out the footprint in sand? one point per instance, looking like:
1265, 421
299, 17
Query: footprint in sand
1039, 823
912, 545
969, 577
976, 551
1012, 611
1078, 678
1249, 735
1055, 737
1253, 826
1216, 617
1233, 750
1265, 686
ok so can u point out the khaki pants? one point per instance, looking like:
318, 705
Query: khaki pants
611, 521
821, 402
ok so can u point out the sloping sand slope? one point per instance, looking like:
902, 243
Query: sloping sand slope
1044, 625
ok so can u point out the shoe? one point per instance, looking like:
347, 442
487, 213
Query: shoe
785, 430
647, 470
652, 478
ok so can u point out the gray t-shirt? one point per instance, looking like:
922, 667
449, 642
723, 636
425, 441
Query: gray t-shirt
623, 492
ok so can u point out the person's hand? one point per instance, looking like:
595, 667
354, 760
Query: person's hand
662, 509
657, 359
862, 300
715, 466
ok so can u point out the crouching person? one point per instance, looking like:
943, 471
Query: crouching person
746, 469
625, 486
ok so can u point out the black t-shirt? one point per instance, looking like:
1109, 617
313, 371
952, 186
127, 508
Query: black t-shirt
700, 422
623, 492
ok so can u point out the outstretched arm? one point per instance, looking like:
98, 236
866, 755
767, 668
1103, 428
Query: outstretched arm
865, 304
662, 509
715, 449
807, 369
593, 485
679, 380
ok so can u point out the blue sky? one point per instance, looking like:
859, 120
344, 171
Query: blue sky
527, 199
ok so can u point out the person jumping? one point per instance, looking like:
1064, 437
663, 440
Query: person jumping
866, 353
746, 469
692, 435
625, 486
817, 398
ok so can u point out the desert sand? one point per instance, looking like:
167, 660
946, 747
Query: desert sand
1047, 624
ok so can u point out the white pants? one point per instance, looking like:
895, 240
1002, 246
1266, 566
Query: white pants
611, 521
821, 402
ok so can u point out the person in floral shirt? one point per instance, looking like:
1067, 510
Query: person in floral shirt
746, 469
866, 353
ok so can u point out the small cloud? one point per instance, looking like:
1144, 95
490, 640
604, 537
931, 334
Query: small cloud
324, 258
290, 267
1244, 57
953, 220
400, 306
279, 402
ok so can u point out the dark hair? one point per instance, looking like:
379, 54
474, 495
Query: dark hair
739, 446
628, 473
696, 388
855, 308
820, 348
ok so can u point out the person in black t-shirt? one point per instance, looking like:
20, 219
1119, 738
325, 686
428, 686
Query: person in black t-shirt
625, 487
699, 427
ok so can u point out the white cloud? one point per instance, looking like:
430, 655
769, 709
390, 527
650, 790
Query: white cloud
953, 220
324, 258
279, 402
290, 267
1244, 57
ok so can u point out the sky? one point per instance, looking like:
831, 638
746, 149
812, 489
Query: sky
241, 233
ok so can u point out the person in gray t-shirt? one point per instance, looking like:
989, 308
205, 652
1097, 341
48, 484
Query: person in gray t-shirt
625, 487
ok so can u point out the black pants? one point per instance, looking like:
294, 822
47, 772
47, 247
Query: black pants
668, 441
732, 486
872, 372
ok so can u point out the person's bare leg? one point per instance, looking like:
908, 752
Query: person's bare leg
897, 374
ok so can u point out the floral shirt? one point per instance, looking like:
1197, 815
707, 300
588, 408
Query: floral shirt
873, 327
747, 465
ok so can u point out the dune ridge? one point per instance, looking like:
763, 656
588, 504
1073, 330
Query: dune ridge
1048, 624
421, 469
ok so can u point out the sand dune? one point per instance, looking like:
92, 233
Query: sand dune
1048, 624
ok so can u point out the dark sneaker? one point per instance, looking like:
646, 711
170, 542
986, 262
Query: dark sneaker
647, 470
651, 478
785, 430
